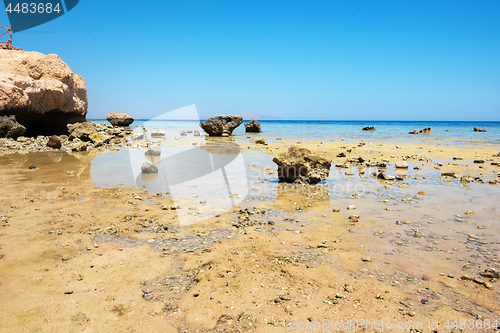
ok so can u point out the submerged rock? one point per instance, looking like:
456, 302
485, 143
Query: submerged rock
221, 125
9, 127
253, 126
477, 129
368, 128
155, 151
119, 119
301, 165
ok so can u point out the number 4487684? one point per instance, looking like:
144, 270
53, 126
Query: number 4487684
33, 8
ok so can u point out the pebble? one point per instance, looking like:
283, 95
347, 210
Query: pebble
351, 207
31, 167
417, 234
366, 259
68, 292
336, 209
349, 288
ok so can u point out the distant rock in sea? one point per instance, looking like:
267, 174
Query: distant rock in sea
119, 119
477, 129
253, 126
422, 131
368, 128
41, 91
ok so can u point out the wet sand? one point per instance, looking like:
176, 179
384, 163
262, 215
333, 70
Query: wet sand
77, 256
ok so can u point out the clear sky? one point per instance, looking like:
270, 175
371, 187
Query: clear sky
339, 60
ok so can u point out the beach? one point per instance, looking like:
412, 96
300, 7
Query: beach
88, 244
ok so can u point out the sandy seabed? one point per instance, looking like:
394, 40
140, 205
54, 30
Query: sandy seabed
75, 257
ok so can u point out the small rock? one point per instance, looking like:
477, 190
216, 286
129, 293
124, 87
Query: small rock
31, 167
149, 168
401, 165
68, 292
336, 209
366, 259
349, 288
54, 142
417, 234
351, 207
156, 151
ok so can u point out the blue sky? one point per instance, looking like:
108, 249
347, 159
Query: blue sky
339, 60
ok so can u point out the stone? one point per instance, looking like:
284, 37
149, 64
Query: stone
183, 133
119, 119
450, 175
349, 288
81, 131
196, 133
79, 146
490, 273
155, 151
477, 129
260, 141
401, 165
253, 126
96, 137
54, 142
223, 125
479, 161
32, 167
157, 134
336, 209
149, 168
366, 259
417, 234
302, 166
9, 127
383, 175
341, 154
41, 91
368, 128
351, 207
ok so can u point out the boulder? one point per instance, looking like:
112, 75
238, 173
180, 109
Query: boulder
81, 131
221, 125
477, 129
368, 128
401, 165
119, 119
253, 126
302, 166
149, 168
54, 142
41, 91
9, 127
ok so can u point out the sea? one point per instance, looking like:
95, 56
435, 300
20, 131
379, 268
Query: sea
460, 132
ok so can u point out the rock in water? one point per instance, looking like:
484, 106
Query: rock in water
9, 127
54, 142
221, 125
81, 131
368, 128
401, 165
119, 119
149, 168
155, 151
422, 131
196, 133
300, 165
41, 91
477, 129
253, 126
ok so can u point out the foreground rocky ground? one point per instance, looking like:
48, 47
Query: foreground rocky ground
77, 258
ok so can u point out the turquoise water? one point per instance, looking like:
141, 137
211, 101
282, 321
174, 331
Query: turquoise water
446, 131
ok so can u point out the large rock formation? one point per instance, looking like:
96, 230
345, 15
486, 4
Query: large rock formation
221, 125
253, 126
9, 127
300, 165
41, 91
119, 119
